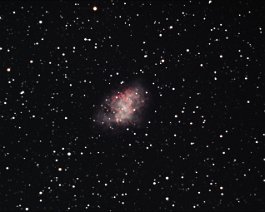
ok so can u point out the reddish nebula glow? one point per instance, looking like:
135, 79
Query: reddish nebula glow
123, 108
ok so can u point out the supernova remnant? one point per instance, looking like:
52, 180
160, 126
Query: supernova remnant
123, 107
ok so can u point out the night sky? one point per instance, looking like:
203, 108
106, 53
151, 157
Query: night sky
132, 105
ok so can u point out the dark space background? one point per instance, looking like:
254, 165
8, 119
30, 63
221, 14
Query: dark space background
200, 144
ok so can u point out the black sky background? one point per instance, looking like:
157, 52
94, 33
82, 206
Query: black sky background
200, 142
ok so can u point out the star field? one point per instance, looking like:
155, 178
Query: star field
183, 80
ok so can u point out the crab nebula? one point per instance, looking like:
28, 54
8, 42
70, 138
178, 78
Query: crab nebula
124, 107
